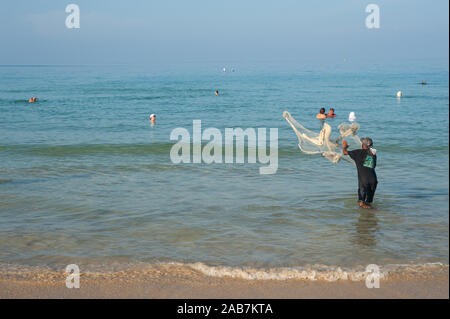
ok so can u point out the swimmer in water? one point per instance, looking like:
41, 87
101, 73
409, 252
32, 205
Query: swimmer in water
331, 113
152, 118
321, 115
217, 93
32, 100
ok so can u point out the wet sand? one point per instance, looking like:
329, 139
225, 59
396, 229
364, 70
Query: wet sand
171, 282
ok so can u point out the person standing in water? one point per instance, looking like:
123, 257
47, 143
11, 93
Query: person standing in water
321, 115
217, 93
365, 160
152, 118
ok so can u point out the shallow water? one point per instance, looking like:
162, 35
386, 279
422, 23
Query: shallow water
85, 179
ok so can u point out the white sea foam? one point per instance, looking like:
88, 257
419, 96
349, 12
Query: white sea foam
309, 273
317, 272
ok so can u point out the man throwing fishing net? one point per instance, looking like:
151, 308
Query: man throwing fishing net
365, 160
319, 143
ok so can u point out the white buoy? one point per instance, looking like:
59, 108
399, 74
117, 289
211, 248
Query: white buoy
352, 117
399, 94
224, 70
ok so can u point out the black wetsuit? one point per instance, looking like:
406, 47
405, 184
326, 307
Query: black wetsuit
367, 178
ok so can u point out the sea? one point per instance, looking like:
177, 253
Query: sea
86, 179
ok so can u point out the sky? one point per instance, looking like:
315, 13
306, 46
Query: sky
178, 31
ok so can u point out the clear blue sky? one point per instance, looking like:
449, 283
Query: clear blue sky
165, 32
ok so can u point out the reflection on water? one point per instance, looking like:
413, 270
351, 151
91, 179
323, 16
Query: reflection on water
366, 228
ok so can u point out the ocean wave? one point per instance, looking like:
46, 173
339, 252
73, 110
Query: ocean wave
114, 149
318, 272
89, 149
145, 271
164, 149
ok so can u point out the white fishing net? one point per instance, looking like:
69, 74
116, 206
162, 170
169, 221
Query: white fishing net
311, 142
349, 131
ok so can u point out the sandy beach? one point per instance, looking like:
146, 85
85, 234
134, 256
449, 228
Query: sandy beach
168, 282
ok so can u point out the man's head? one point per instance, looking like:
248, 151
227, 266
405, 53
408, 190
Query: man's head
366, 142
322, 111
331, 110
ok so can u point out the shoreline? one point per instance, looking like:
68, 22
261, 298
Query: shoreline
179, 282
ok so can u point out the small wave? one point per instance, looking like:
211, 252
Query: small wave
115, 149
136, 270
319, 272
89, 149
310, 272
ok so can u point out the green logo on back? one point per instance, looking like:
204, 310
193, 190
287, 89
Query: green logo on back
368, 162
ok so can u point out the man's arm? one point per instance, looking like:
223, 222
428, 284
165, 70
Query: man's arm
344, 147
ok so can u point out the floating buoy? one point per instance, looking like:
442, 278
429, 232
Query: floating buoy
399, 94
352, 117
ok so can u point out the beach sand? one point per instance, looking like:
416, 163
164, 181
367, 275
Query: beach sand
168, 282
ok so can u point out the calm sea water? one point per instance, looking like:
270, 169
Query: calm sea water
85, 178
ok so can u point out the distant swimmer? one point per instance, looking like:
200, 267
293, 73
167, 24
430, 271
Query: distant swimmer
32, 100
366, 161
321, 115
423, 82
331, 113
152, 118
217, 93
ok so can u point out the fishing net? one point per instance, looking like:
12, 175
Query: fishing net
311, 142
350, 131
